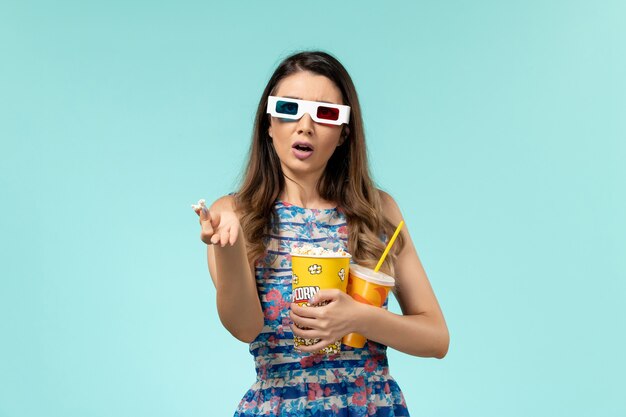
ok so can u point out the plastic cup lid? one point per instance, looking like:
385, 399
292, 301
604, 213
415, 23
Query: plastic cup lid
368, 274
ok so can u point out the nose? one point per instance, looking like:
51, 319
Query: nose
305, 124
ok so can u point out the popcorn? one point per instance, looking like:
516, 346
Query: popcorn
333, 348
313, 250
201, 205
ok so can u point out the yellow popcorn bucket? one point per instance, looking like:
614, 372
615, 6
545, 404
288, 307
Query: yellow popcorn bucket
311, 273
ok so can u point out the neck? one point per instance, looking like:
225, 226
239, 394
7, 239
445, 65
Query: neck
301, 190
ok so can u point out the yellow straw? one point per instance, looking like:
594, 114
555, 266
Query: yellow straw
393, 239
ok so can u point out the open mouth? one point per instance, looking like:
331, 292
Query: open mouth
303, 148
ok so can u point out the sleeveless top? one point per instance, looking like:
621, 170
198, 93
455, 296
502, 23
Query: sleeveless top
353, 382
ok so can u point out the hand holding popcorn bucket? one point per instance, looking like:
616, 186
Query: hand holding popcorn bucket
314, 269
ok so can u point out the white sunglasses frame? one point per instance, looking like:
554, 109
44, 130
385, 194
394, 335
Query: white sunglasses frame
306, 106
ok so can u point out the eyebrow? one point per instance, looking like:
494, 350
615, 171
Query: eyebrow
321, 101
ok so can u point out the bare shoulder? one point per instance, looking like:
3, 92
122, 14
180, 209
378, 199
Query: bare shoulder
390, 207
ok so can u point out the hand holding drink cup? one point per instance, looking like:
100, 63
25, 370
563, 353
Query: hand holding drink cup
371, 287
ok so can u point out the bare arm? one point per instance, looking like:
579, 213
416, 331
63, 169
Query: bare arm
415, 334
238, 303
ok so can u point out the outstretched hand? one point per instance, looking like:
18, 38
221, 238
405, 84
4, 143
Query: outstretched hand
328, 323
217, 227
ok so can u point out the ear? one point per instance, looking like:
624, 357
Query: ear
344, 135
269, 124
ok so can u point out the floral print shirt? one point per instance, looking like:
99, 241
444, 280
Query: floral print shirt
353, 382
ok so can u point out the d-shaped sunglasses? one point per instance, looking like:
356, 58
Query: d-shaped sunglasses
294, 109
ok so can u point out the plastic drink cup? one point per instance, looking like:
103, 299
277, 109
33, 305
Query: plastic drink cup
311, 273
368, 287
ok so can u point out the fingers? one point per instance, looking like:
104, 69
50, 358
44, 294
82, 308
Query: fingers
311, 323
302, 321
215, 229
205, 216
309, 333
216, 218
321, 340
224, 236
215, 239
306, 312
206, 222
308, 328
234, 233
326, 295
207, 232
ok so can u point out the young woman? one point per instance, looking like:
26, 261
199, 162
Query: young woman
307, 180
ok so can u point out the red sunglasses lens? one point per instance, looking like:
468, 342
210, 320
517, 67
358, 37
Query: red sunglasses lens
327, 113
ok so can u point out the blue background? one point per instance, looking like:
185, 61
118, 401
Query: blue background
498, 127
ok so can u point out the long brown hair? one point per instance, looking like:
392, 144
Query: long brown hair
345, 181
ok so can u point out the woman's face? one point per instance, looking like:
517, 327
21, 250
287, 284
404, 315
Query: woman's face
291, 138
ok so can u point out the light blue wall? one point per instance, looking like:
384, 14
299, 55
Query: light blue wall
498, 127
